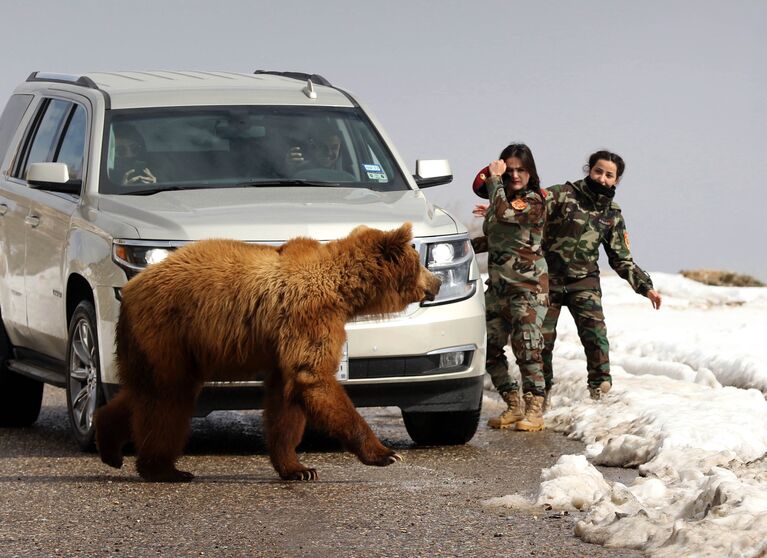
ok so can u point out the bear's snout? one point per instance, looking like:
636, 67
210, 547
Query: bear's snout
432, 283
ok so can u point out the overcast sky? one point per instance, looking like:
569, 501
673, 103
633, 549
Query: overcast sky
678, 88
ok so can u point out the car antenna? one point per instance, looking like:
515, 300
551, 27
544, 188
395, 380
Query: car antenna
309, 90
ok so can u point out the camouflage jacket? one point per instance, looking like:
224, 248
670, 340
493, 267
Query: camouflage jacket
514, 230
578, 222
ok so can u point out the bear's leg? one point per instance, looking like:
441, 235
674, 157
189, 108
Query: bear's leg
112, 423
161, 424
285, 422
330, 409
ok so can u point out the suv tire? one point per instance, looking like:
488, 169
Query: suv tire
447, 428
83, 381
20, 397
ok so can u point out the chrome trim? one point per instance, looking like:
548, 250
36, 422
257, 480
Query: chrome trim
369, 381
458, 349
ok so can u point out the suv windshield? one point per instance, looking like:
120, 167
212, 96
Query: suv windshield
151, 150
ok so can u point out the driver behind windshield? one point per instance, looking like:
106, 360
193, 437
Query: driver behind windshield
131, 166
323, 151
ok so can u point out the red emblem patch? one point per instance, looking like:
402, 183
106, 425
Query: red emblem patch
519, 204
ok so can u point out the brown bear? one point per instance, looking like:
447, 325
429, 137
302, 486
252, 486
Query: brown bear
227, 310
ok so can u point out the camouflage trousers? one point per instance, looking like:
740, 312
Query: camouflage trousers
516, 319
586, 309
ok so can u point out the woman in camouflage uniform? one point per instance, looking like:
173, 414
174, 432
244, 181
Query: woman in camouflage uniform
516, 299
581, 216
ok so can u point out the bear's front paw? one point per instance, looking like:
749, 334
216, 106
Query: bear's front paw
384, 458
171, 475
303, 474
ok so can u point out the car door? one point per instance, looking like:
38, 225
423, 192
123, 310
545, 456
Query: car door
41, 232
48, 232
14, 208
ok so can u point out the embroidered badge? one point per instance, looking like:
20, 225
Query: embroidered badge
626, 239
519, 204
482, 177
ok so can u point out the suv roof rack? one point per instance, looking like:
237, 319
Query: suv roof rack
315, 78
63, 78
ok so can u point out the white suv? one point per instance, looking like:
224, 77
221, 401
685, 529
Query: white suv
105, 173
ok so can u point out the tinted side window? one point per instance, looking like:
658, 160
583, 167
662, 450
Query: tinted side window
9, 121
46, 133
73, 144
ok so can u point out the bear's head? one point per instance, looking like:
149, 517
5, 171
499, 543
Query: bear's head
391, 273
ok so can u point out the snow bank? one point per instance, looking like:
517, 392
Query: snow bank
700, 447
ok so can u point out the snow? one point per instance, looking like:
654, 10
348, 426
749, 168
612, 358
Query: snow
687, 409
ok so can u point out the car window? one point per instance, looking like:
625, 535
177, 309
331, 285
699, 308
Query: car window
46, 131
10, 119
219, 147
73, 144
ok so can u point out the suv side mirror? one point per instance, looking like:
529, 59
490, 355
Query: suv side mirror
432, 172
52, 176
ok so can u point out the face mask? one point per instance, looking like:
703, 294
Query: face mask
597, 189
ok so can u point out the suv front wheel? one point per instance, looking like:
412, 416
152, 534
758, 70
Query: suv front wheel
446, 428
84, 394
20, 397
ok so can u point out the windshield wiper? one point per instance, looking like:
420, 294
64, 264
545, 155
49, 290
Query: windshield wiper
248, 184
284, 182
157, 190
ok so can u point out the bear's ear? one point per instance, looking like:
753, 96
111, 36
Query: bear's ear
359, 229
394, 243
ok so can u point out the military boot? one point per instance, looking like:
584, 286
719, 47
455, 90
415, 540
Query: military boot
533, 420
596, 392
512, 414
546, 394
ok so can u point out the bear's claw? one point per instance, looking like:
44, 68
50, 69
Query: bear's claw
302, 475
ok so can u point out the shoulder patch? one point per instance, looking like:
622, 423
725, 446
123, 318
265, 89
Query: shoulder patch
544, 193
519, 204
626, 239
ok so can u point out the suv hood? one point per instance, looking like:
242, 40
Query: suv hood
274, 214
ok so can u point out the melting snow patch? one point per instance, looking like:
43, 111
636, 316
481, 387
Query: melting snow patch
699, 447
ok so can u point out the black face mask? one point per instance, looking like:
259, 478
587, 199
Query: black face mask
598, 190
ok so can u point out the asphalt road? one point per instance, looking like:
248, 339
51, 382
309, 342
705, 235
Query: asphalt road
57, 501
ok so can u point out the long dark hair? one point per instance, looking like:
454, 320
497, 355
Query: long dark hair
523, 153
605, 155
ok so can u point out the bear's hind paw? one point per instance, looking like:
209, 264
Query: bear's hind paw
115, 461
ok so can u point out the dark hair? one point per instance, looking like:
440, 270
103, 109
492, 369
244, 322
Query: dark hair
128, 132
605, 155
523, 153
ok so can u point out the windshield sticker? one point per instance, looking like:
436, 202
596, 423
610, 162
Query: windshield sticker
379, 176
375, 172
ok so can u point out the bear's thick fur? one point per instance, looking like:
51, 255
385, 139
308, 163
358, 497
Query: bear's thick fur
227, 310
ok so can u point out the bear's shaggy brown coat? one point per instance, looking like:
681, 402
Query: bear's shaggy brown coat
227, 310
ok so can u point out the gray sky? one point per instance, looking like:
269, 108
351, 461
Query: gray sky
678, 88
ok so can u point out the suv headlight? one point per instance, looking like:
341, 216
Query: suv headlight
133, 256
451, 260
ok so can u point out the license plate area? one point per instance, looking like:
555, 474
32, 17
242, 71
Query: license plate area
342, 374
